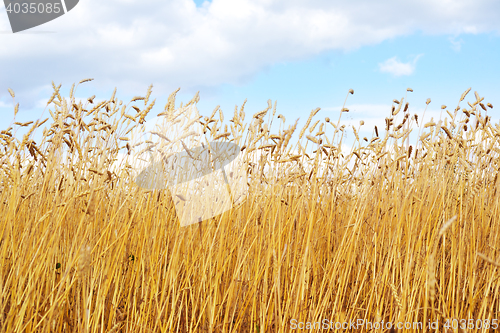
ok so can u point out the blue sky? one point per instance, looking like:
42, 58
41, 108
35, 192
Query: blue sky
304, 54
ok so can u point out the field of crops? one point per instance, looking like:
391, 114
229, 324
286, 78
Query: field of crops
391, 230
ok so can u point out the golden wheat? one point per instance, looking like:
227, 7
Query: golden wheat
323, 232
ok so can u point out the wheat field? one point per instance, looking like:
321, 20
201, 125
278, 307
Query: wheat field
397, 230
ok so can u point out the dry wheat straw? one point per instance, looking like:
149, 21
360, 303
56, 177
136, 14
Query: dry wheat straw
485, 258
79, 201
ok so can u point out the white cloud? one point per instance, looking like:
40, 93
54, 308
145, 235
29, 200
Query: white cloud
398, 68
456, 44
174, 43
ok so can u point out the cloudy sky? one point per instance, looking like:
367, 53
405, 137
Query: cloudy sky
302, 54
